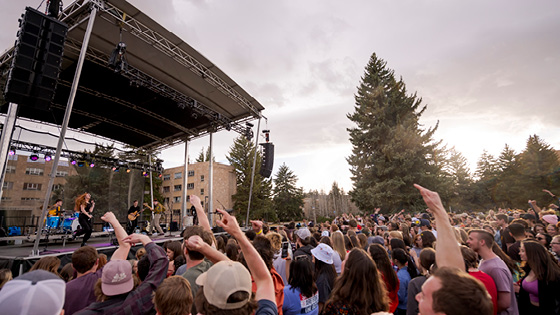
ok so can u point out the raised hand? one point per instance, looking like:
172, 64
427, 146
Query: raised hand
109, 217
432, 200
228, 223
256, 225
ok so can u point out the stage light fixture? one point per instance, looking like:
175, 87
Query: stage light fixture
81, 163
48, 157
128, 170
12, 151
34, 157
160, 175
92, 163
73, 162
145, 174
115, 168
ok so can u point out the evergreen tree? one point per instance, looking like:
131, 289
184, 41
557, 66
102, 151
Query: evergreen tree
240, 156
288, 198
390, 150
540, 166
460, 181
485, 188
205, 157
509, 186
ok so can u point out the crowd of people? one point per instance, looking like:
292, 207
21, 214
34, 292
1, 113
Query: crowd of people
499, 262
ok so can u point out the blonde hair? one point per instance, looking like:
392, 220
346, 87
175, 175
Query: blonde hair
338, 244
396, 234
275, 241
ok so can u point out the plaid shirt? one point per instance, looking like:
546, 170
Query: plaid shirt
138, 301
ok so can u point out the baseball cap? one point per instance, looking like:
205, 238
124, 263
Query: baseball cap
376, 240
324, 253
425, 216
528, 216
424, 222
325, 233
303, 233
550, 219
222, 280
35, 292
117, 278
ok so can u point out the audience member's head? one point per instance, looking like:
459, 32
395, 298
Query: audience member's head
173, 297
192, 231
48, 263
36, 292
223, 293
451, 291
5, 276
84, 259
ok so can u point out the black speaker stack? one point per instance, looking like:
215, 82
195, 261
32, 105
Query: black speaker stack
267, 159
37, 60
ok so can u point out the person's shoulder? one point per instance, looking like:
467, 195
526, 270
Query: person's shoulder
266, 307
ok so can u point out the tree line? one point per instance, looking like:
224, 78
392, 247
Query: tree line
391, 150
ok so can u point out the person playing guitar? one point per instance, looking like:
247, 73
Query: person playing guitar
133, 214
158, 210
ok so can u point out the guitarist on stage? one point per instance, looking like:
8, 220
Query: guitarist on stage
133, 214
158, 210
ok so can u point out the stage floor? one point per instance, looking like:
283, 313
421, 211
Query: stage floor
18, 257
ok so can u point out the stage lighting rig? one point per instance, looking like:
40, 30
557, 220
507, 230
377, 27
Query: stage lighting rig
34, 157
117, 60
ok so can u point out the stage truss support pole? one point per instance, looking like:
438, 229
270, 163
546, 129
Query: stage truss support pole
185, 185
151, 194
253, 170
210, 180
5, 140
69, 105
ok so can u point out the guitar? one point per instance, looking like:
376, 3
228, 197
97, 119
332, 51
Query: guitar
132, 216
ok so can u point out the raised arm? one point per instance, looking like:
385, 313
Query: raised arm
261, 275
448, 253
120, 233
196, 243
202, 217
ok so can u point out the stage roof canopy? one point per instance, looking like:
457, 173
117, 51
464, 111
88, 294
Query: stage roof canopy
169, 92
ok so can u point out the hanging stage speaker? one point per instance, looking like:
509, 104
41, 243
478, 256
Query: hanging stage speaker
37, 60
267, 159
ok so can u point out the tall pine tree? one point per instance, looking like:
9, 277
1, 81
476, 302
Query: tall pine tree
390, 149
288, 198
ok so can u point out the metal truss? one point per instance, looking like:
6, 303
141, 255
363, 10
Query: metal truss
164, 45
102, 161
75, 14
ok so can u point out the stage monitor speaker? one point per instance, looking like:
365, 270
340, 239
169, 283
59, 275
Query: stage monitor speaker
37, 60
267, 159
174, 227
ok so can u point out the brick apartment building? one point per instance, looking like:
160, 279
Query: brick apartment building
25, 185
224, 185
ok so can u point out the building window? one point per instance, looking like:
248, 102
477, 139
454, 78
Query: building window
166, 189
6, 198
188, 198
34, 171
12, 157
166, 176
8, 185
190, 186
62, 163
166, 200
29, 199
61, 173
178, 175
176, 199
191, 173
32, 186
177, 188
202, 191
201, 178
57, 186
10, 169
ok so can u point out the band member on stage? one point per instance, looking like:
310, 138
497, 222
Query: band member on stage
56, 211
157, 210
133, 214
85, 205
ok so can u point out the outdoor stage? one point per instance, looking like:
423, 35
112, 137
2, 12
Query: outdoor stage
17, 259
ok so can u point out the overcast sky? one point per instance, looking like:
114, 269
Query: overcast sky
489, 71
